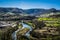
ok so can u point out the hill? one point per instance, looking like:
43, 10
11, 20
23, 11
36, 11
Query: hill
34, 11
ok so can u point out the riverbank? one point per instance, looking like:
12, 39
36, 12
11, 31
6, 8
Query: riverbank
24, 31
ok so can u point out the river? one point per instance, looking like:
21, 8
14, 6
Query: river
14, 36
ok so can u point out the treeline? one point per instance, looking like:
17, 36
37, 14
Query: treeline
17, 18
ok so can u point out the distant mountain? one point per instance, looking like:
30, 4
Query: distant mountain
34, 12
13, 10
41, 11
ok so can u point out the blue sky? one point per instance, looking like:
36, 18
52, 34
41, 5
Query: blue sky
27, 4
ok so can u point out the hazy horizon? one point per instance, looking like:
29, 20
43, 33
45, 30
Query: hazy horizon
29, 4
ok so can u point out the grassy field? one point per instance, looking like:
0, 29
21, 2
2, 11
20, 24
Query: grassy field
50, 21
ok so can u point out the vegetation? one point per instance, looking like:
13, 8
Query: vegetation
5, 34
51, 21
44, 28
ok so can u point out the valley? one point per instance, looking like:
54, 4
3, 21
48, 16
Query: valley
18, 25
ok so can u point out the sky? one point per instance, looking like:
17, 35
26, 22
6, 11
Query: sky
27, 4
